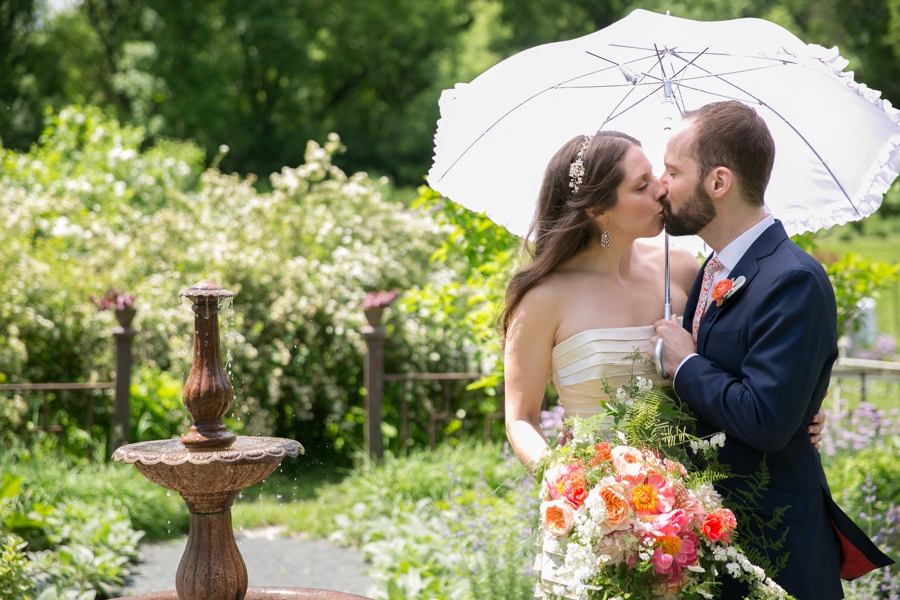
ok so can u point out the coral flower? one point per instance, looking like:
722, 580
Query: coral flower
558, 475
575, 489
719, 525
656, 495
719, 291
557, 517
602, 452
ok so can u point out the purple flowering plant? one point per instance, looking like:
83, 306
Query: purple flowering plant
379, 299
114, 300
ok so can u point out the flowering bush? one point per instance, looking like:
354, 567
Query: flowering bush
88, 208
620, 517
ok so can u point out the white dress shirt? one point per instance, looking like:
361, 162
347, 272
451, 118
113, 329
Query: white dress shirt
729, 257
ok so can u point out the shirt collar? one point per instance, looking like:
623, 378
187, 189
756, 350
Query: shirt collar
733, 252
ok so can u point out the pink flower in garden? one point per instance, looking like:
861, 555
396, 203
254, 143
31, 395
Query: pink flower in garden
379, 299
114, 300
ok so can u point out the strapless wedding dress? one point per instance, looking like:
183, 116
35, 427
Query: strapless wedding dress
579, 366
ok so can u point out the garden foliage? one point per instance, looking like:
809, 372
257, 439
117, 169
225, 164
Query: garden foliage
90, 208
450, 524
71, 532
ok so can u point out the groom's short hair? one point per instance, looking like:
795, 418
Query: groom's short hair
731, 134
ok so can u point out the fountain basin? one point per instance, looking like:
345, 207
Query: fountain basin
208, 480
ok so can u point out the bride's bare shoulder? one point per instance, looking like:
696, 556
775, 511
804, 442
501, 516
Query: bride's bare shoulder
537, 314
684, 266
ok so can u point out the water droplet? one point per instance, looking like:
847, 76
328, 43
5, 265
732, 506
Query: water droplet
241, 528
168, 493
206, 317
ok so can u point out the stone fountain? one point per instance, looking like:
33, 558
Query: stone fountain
209, 467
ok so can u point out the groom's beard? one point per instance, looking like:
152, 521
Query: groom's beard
695, 214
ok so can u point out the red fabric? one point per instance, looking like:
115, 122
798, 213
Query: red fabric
853, 562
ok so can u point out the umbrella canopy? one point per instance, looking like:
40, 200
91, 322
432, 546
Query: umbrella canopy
837, 143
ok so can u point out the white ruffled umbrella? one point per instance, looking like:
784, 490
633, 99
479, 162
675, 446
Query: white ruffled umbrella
837, 143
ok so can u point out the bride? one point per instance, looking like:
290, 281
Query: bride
589, 296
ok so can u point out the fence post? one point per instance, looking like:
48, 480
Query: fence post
374, 334
124, 335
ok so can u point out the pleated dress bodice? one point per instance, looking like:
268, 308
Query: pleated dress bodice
581, 363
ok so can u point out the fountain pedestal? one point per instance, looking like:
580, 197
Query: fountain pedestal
209, 467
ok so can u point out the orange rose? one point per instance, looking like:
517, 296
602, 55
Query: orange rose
719, 291
618, 514
557, 517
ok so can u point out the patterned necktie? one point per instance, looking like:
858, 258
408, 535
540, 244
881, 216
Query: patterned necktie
712, 267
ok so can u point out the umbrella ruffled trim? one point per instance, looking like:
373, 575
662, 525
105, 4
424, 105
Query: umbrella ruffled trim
886, 170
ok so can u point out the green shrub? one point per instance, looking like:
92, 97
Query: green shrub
78, 523
15, 581
866, 482
441, 525
88, 208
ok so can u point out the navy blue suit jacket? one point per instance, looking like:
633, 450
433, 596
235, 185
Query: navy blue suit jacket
764, 364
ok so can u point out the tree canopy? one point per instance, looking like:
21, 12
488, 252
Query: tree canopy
264, 77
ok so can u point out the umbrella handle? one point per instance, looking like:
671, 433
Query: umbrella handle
667, 314
658, 358
658, 350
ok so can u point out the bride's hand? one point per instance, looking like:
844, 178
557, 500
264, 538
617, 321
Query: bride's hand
677, 343
816, 427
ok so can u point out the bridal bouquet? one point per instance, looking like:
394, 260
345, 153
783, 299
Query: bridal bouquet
621, 519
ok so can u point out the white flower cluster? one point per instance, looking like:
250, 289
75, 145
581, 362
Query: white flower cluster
715, 441
643, 385
736, 563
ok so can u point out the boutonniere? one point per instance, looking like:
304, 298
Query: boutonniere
726, 288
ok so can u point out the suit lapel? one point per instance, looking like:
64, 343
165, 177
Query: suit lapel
748, 267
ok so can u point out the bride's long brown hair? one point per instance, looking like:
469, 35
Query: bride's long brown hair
562, 225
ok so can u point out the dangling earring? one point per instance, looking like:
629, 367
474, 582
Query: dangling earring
605, 241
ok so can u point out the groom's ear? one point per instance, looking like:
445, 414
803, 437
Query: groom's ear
719, 182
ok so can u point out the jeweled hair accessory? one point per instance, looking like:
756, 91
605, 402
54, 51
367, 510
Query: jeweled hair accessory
576, 169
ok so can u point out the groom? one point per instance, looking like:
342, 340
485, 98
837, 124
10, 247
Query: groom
754, 360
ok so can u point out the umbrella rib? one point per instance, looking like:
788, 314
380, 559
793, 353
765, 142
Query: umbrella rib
730, 72
662, 68
485, 132
784, 60
608, 119
786, 122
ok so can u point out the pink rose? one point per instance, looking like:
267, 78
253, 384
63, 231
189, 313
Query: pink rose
557, 517
629, 464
